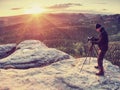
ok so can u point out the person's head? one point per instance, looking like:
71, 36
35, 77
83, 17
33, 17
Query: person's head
98, 27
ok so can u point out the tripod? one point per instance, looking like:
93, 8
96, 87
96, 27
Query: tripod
93, 51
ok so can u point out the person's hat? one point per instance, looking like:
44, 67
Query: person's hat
98, 26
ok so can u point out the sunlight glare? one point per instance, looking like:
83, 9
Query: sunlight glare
34, 10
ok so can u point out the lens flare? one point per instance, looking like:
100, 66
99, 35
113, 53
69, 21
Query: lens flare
34, 10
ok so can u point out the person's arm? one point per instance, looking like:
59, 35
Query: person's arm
97, 41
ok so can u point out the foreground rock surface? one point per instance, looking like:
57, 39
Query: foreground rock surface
61, 75
32, 53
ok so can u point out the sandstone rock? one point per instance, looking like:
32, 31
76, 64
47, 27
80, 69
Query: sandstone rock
6, 50
62, 75
33, 53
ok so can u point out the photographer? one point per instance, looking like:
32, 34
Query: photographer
102, 43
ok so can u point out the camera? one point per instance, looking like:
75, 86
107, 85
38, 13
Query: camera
91, 39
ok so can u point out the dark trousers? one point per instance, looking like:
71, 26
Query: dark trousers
101, 55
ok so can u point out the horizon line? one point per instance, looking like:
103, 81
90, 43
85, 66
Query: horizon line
63, 13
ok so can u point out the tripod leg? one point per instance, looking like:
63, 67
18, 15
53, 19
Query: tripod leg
90, 56
95, 51
83, 64
84, 61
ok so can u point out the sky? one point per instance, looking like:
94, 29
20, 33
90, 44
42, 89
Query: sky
18, 7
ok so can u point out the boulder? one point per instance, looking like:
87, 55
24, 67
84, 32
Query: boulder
32, 53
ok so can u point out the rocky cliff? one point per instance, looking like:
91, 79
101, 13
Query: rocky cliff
62, 74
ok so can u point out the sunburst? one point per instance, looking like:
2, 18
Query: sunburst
34, 10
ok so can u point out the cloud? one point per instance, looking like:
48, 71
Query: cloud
85, 11
16, 8
102, 3
105, 10
64, 6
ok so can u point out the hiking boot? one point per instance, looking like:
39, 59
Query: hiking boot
96, 67
100, 74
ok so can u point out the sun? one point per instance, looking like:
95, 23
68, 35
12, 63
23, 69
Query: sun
34, 10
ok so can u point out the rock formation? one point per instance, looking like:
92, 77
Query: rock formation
61, 75
32, 53
6, 50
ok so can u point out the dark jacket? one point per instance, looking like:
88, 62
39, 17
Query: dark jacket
102, 41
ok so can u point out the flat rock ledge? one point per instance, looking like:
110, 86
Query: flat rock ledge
62, 75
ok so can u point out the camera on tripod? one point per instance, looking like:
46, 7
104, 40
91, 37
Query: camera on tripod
91, 39
92, 50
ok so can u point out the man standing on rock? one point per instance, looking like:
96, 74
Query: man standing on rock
102, 43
